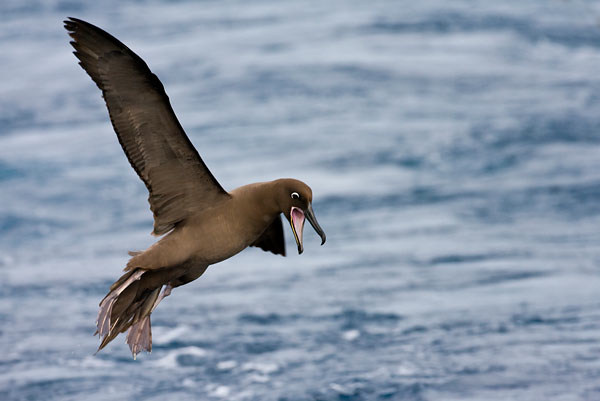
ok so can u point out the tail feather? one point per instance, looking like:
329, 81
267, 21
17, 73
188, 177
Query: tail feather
139, 337
122, 280
125, 300
103, 322
106, 305
131, 300
147, 305
128, 306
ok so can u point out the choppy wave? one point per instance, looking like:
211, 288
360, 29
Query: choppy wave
453, 154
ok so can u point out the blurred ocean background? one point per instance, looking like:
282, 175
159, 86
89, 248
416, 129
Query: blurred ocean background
454, 153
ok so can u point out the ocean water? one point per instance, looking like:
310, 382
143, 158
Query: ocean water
454, 153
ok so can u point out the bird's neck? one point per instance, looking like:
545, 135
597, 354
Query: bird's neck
259, 197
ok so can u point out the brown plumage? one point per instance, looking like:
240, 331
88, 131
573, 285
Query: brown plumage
202, 223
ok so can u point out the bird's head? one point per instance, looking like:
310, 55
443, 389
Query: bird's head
295, 201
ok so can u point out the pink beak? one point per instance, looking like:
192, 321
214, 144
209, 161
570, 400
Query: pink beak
297, 223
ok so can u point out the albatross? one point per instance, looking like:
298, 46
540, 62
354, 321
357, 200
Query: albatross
198, 222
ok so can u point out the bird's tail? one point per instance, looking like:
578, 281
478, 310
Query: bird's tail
128, 305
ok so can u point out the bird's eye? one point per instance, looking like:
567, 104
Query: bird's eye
295, 195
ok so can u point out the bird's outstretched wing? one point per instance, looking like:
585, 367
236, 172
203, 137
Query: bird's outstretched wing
158, 149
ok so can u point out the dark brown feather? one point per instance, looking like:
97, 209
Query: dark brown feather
156, 145
272, 240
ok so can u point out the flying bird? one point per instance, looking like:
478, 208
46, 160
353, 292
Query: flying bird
198, 221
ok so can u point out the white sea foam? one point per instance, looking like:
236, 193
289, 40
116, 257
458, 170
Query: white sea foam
350, 335
259, 378
345, 391
221, 391
261, 367
188, 382
226, 365
169, 361
164, 335
91, 362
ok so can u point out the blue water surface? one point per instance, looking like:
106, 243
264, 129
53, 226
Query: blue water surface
453, 149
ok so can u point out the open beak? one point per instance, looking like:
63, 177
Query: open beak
297, 222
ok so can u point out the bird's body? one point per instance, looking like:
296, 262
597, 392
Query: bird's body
201, 223
215, 233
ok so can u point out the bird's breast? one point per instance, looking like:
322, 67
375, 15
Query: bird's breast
220, 234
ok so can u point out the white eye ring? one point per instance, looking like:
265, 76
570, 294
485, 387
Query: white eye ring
295, 195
